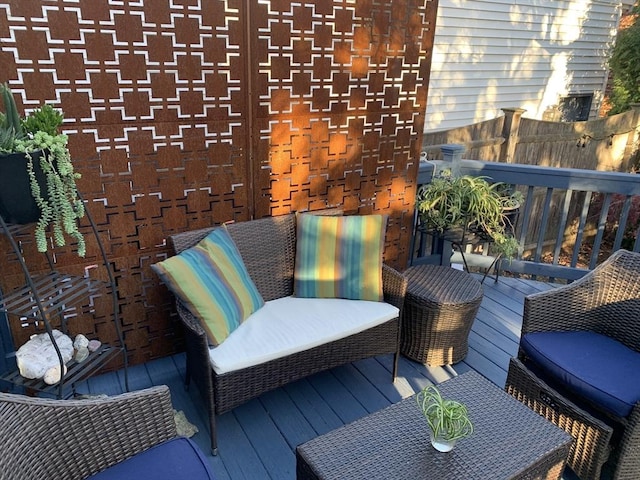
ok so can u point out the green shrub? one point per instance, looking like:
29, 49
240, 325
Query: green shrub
625, 69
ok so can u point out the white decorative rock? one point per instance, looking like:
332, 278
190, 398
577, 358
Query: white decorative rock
81, 346
185, 427
38, 355
81, 354
52, 376
80, 342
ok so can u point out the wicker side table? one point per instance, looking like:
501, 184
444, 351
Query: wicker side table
440, 306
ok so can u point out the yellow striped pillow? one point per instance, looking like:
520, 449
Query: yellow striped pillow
212, 282
339, 257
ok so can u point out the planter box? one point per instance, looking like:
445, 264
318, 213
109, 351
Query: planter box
16, 203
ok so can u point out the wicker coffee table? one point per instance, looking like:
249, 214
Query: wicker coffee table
440, 306
510, 441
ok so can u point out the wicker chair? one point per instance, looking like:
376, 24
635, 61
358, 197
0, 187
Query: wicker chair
606, 301
73, 439
268, 247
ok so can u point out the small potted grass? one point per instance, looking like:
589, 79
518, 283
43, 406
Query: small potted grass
448, 419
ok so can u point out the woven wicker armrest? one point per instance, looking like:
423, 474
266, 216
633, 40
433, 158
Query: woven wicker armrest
604, 300
394, 286
72, 439
190, 321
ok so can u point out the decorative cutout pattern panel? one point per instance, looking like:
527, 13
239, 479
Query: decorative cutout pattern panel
339, 97
186, 113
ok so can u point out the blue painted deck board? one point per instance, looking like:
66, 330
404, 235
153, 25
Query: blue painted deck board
505, 339
316, 411
338, 397
236, 453
365, 392
291, 421
266, 439
380, 376
257, 440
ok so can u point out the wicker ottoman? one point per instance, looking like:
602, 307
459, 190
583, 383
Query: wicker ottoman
439, 309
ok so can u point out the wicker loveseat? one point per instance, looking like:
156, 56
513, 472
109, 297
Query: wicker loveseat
268, 250
578, 365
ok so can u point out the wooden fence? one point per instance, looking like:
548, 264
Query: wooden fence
605, 144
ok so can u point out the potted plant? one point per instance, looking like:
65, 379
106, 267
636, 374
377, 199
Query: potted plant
37, 179
463, 208
504, 242
511, 199
448, 419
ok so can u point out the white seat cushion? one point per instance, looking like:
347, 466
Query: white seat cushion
290, 324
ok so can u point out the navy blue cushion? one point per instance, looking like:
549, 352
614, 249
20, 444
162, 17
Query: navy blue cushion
175, 459
596, 367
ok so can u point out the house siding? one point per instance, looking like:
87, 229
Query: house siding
490, 55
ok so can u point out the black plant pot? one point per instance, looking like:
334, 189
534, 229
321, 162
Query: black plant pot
511, 215
16, 203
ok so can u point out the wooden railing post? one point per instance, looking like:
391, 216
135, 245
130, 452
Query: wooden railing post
452, 153
510, 129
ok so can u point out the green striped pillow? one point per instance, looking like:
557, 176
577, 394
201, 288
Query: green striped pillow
339, 257
212, 282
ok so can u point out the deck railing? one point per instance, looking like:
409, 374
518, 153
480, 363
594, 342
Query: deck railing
570, 221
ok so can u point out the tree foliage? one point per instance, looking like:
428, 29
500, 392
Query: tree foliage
625, 67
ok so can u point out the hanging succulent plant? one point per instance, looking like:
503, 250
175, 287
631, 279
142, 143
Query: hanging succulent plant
44, 164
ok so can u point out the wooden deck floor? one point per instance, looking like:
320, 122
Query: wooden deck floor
257, 440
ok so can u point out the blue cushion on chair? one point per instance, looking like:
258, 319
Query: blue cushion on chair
175, 459
593, 366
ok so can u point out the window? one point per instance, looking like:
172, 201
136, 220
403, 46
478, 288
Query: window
575, 107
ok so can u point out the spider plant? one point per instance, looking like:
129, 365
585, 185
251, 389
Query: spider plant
448, 419
455, 206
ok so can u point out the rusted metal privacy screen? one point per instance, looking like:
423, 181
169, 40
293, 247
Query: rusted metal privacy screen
186, 113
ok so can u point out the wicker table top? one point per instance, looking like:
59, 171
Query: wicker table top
510, 441
442, 285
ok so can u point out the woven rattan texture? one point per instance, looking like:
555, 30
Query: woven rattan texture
271, 264
185, 114
509, 442
72, 439
590, 448
440, 307
267, 247
606, 300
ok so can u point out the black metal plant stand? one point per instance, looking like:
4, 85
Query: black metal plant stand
46, 296
458, 238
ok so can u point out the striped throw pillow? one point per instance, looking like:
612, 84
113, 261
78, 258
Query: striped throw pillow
212, 282
339, 257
